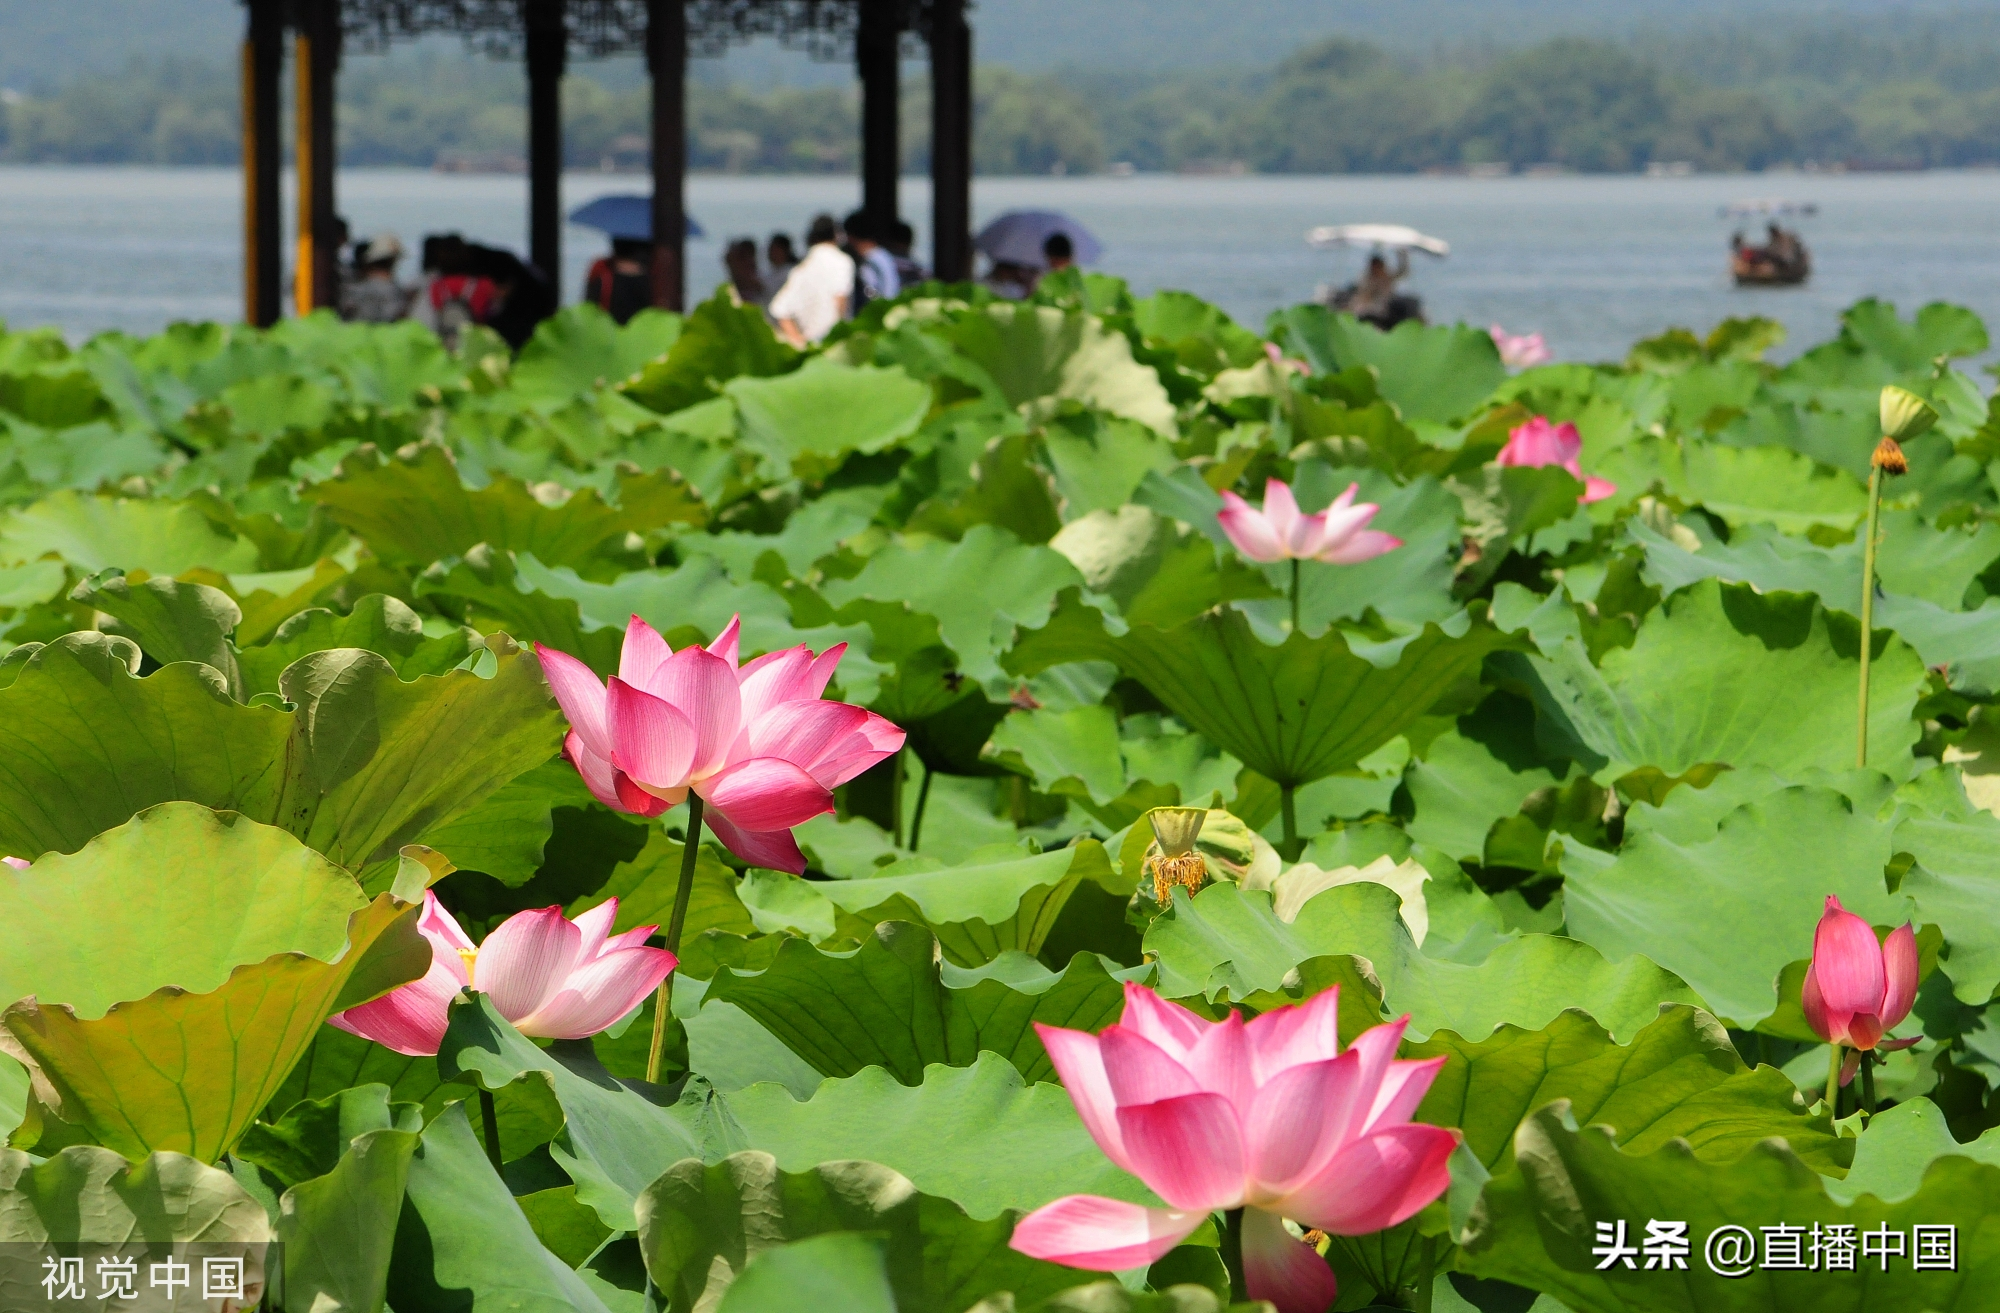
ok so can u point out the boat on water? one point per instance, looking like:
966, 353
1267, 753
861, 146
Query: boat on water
1782, 260
1374, 297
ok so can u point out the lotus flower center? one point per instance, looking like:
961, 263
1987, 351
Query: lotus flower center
468, 956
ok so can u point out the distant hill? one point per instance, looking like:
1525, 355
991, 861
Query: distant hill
46, 42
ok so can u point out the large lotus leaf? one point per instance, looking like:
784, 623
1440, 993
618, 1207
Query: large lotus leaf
382, 761
1033, 352
1728, 911
414, 509
720, 340
164, 1012
978, 911
1226, 941
1721, 674
1899, 1146
1116, 776
700, 1225
580, 350
810, 418
895, 1004
1956, 885
1678, 1078
979, 589
1294, 711
1099, 461
336, 1061
100, 533
1536, 1224
377, 623
980, 1136
1939, 329
170, 620
464, 1244
1476, 773
93, 1197
1742, 485
614, 1138
841, 1269
646, 885
699, 597
310, 1139
1436, 374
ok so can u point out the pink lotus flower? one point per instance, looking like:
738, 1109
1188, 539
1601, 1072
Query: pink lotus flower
18, 863
1539, 442
1857, 990
1339, 534
758, 745
1267, 1116
553, 978
1520, 350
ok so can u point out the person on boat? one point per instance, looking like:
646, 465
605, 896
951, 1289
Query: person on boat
818, 290
1374, 296
621, 283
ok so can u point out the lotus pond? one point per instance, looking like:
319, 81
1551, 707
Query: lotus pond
1076, 806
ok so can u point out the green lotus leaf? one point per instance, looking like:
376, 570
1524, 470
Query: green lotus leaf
941, 1133
164, 1012
1720, 674
841, 1269
1536, 1224
337, 1061
807, 420
1034, 352
719, 340
580, 351
646, 885
102, 533
1477, 773
614, 1139
1228, 941
415, 510
1098, 461
1679, 1078
1293, 712
377, 623
1741, 485
978, 911
90, 1196
1436, 374
170, 620
464, 1243
895, 1004
1899, 1146
701, 1225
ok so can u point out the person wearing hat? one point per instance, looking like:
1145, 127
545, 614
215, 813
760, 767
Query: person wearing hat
374, 296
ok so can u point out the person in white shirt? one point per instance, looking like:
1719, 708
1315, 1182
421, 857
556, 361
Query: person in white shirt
817, 291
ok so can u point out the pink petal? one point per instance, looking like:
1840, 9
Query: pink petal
806, 733
598, 993
594, 926
1291, 1126
702, 687
599, 775
1363, 545
1596, 489
580, 694
793, 675
1249, 531
1402, 1089
1539, 442
1374, 1049
1172, 1027
1377, 1181
1188, 1149
636, 937
725, 644
1101, 1235
1286, 1037
774, 850
18, 863
1847, 963
875, 740
651, 740
632, 798
1079, 1063
1284, 1270
1864, 1030
525, 960
1281, 510
1814, 1007
643, 653
766, 793
1140, 1070
1900, 968
410, 1019
437, 924
1220, 1060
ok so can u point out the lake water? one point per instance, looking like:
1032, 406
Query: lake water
1592, 262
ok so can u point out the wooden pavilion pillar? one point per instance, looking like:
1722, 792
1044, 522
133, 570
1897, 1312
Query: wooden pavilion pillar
318, 60
547, 57
951, 141
877, 56
666, 61
263, 222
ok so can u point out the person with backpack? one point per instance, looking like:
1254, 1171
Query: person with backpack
621, 284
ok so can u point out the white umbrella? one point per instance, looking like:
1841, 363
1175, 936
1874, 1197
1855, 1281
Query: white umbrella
1394, 235
1017, 236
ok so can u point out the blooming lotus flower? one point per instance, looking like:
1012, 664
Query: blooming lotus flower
1857, 990
757, 744
1268, 1116
1339, 534
1539, 442
1520, 350
553, 978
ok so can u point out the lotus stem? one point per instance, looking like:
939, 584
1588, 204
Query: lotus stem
1868, 1083
1231, 1252
917, 820
1428, 1281
1833, 1082
1288, 808
663, 997
896, 796
1295, 595
1868, 608
489, 1119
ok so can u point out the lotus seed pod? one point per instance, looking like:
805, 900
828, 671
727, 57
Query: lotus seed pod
1905, 414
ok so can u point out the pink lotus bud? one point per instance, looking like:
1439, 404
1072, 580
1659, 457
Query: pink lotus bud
1539, 442
1856, 989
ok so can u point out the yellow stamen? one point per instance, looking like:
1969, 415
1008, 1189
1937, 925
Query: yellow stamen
468, 956
1187, 870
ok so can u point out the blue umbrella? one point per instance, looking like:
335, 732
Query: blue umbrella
1017, 236
624, 216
